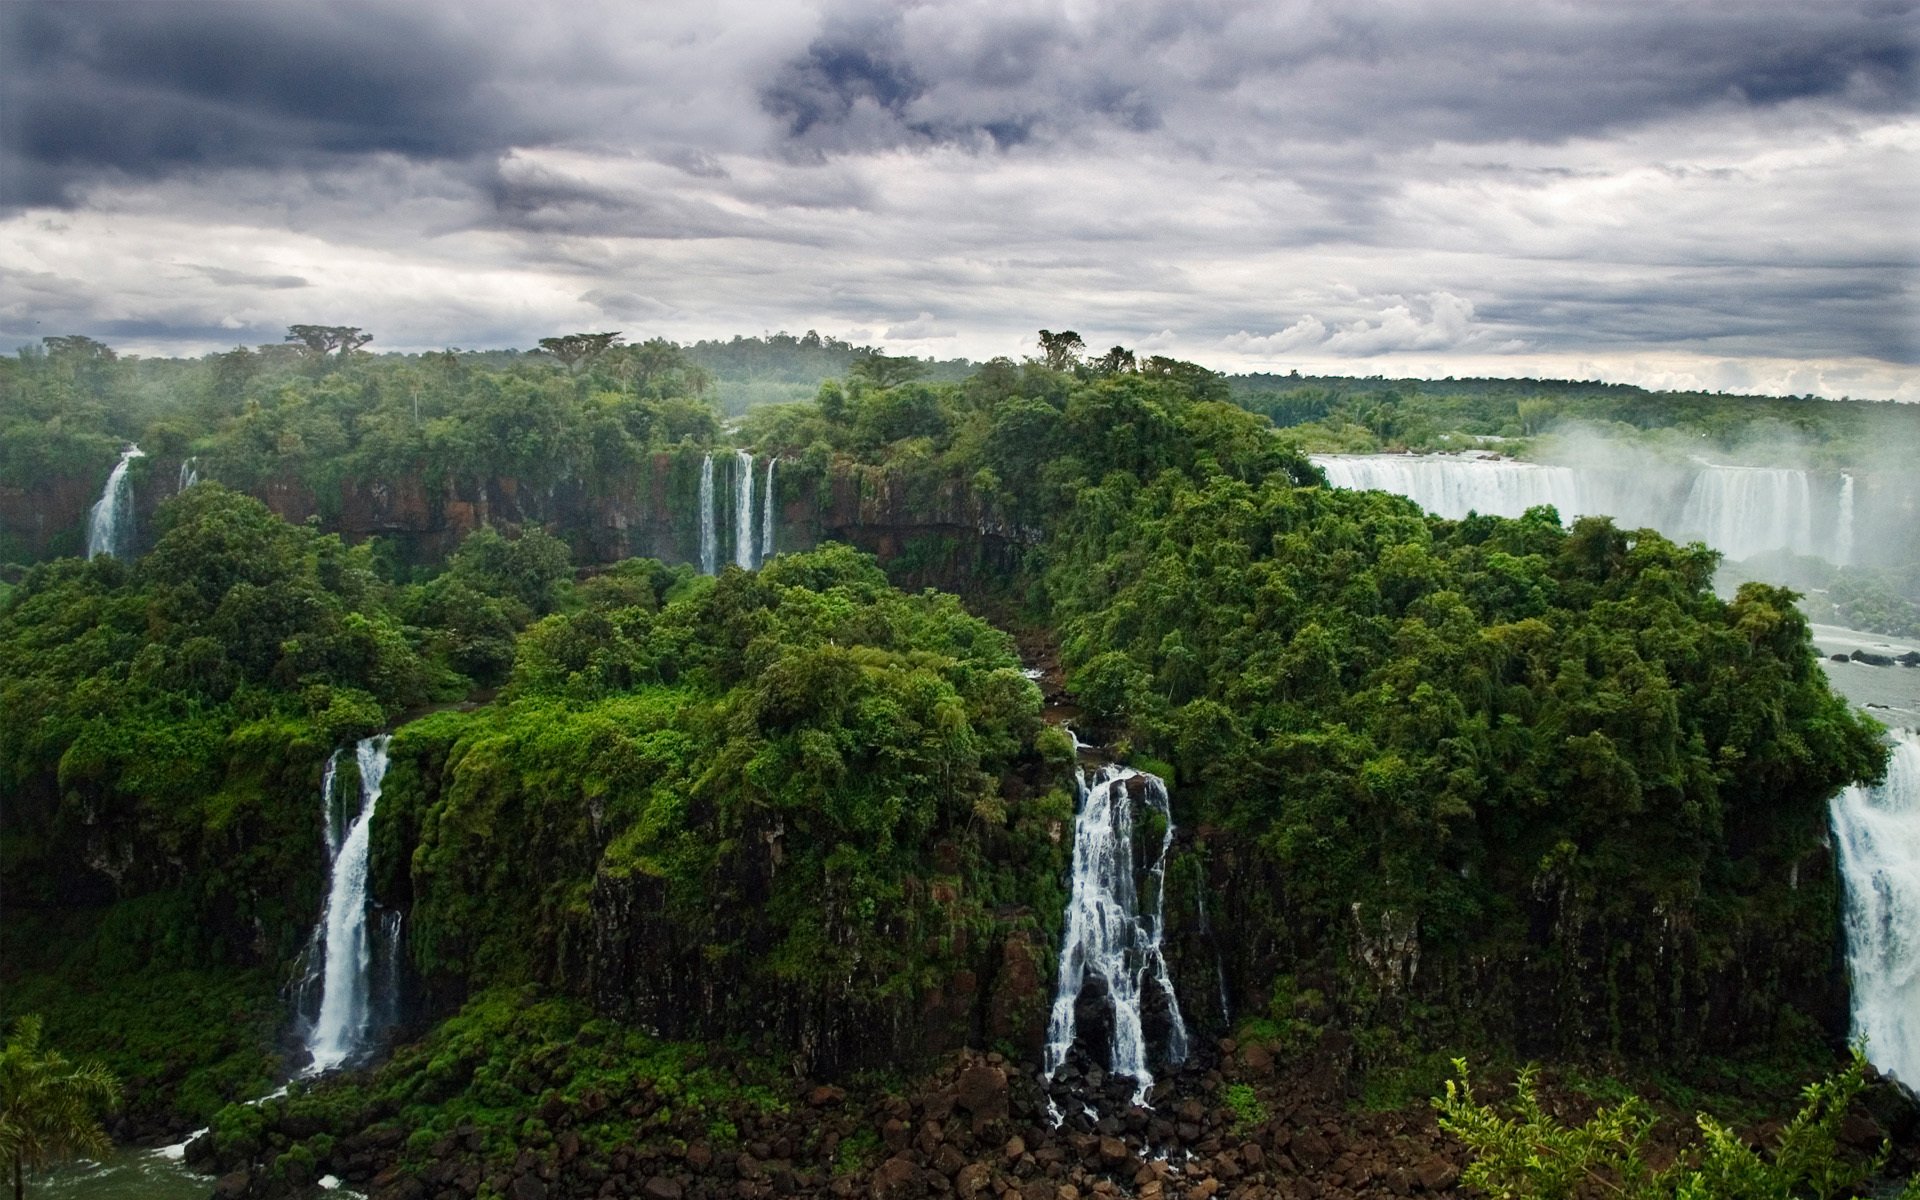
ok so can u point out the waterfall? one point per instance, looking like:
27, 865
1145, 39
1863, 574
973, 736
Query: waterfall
1744, 511
1843, 524
743, 510
189, 474
1739, 511
709, 537
766, 514
1110, 934
346, 950
110, 521
1451, 486
1877, 831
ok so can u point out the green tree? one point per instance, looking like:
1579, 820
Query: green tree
48, 1107
1061, 351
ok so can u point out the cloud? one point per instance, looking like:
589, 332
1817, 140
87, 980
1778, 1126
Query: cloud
920, 328
1440, 321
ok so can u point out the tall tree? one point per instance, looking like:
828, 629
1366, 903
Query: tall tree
577, 350
321, 340
48, 1107
886, 370
1061, 351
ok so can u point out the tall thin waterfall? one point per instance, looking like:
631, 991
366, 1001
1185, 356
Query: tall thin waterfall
709, 536
743, 510
1110, 933
110, 521
346, 1005
1877, 831
766, 513
1843, 524
189, 474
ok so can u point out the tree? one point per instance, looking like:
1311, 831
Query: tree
48, 1106
887, 370
321, 340
576, 350
1117, 361
1061, 351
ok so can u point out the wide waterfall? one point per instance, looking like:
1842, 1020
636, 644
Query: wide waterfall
110, 521
348, 1009
709, 535
743, 510
1739, 511
1877, 831
766, 514
1111, 935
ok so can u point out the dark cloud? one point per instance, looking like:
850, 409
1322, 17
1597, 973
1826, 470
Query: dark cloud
231, 278
163, 86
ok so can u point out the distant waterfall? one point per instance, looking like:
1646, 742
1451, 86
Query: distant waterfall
189, 474
1843, 524
766, 514
110, 521
709, 536
1877, 831
1110, 934
743, 510
1739, 511
347, 1006
1744, 511
1451, 487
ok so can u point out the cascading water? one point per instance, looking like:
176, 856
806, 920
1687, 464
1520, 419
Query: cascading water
709, 535
1452, 487
110, 521
1744, 511
189, 474
1877, 831
743, 510
347, 1009
1110, 934
766, 513
1843, 524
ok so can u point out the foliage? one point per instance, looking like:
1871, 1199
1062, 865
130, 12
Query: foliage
48, 1106
1529, 1154
1248, 1111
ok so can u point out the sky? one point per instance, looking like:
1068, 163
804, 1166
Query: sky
1694, 194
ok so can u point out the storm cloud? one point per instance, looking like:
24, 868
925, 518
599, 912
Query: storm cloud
1666, 192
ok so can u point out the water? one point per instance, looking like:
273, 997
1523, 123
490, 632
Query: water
1110, 934
344, 1024
124, 1174
1877, 831
743, 510
110, 521
766, 514
1739, 511
709, 536
189, 474
1843, 524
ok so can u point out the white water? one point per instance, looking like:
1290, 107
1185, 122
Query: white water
1744, 511
110, 521
766, 513
1739, 511
709, 536
743, 510
1108, 935
189, 474
1843, 524
346, 1007
1877, 831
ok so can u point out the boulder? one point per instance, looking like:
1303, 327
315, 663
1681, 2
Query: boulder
659, 1187
982, 1091
896, 1179
1872, 659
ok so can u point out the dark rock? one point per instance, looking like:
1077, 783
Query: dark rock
1871, 659
527, 1187
661, 1188
1910, 659
982, 1091
1310, 1150
972, 1180
1113, 1151
1838, 658
825, 1096
1436, 1174
232, 1186
897, 1179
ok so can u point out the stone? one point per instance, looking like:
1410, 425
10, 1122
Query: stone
896, 1179
972, 1180
527, 1187
1436, 1174
1113, 1151
1871, 659
982, 1091
825, 1096
1310, 1150
232, 1186
1016, 1146
699, 1156
659, 1187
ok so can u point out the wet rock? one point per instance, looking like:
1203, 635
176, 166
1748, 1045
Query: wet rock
232, 1186
1871, 659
